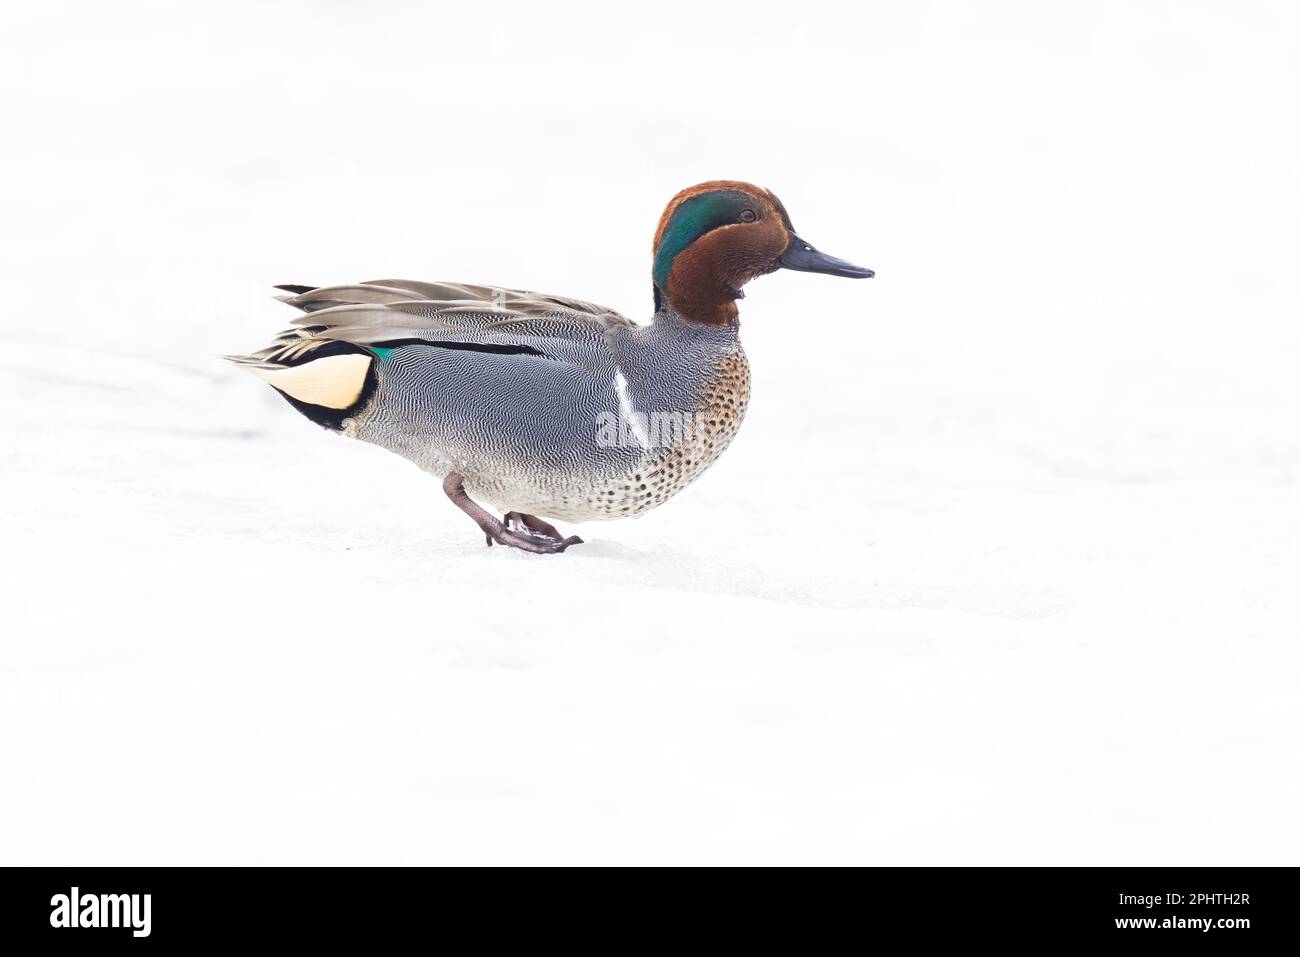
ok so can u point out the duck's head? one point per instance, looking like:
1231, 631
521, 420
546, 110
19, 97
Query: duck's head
715, 237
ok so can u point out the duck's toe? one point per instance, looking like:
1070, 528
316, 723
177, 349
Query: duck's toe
537, 543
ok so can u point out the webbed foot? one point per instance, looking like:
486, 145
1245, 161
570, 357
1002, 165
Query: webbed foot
539, 530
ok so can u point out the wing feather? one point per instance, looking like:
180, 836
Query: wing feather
384, 310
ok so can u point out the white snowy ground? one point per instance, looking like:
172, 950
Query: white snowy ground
1002, 568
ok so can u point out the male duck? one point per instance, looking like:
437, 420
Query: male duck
543, 405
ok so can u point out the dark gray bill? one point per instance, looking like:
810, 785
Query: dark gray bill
802, 256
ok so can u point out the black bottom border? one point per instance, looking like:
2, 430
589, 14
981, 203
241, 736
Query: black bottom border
377, 907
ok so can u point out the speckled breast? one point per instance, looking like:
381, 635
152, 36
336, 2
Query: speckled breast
669, 466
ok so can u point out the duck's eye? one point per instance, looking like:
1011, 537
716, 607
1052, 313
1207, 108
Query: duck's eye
748, 216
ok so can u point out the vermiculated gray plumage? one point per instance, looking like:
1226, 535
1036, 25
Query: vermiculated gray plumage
517, 391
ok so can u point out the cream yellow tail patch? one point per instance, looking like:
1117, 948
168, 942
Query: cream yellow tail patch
334, 382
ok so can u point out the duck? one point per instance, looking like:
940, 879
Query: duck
548, 408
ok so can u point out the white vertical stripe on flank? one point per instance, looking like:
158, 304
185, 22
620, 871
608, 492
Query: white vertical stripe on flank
628, 411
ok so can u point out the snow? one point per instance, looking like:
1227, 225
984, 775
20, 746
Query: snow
1001, 569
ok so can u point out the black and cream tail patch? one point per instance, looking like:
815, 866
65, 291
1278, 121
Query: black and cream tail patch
326, 380
331, 382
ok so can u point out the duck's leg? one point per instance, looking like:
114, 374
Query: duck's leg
497, 531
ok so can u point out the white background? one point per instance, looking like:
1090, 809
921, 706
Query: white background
1002, 568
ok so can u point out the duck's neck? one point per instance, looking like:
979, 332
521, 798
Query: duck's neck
669, 322
709, 311
698, 293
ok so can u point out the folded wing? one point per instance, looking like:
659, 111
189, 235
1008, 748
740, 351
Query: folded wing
375, 313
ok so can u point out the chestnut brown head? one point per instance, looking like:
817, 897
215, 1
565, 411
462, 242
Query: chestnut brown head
715, 237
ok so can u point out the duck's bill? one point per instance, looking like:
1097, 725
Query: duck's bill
803, 257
